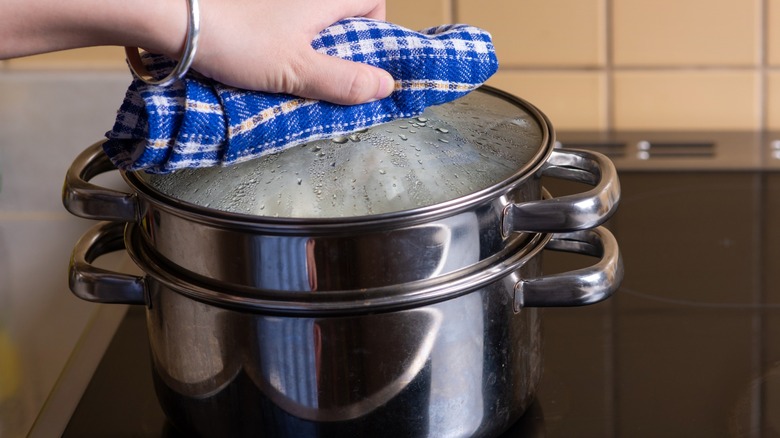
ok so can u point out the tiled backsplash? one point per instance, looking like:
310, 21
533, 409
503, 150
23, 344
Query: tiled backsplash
596, 64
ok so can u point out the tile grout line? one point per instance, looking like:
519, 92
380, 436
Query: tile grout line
763, 73
609, 88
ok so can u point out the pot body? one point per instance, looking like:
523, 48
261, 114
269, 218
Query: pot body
458, 358
467, 366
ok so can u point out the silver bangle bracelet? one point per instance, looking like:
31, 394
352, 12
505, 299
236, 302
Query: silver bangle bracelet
180, 70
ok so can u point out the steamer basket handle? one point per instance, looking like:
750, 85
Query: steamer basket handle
580, 287
573, 212
91, 283
90, 201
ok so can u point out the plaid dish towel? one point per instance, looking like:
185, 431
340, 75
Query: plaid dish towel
199, 123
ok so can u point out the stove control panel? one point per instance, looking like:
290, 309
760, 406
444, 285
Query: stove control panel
682, 150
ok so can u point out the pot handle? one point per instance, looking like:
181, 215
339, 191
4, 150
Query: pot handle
90, 201
580, 287
91, 283
573, 212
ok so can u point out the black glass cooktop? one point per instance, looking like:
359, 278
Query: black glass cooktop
688, 347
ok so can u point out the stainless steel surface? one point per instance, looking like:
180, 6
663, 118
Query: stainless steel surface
465, 365
95, 284
90, 201
350, 322
482, 140
311, 254
579, 287
573, 212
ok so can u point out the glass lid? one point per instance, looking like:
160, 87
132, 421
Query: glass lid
448, 152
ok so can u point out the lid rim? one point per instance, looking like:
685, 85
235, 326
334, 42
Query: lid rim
345, 302
234, 220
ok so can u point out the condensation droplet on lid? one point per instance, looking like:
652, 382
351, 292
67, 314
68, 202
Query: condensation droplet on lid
382, 171
338, 140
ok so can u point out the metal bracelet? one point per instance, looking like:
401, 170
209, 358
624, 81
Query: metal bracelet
180, 70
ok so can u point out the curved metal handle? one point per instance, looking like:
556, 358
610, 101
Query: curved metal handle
90, 201
99, 285
573, 212
580, 287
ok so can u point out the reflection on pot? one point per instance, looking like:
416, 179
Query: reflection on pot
337, 369
197, 356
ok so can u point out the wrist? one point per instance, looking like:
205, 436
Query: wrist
159, 26
186, 58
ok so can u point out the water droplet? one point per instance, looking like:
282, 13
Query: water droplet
338, 140
422, 119
300, 181
443, 130
382, 171
413, 131
403, 137
443, 140
354, 137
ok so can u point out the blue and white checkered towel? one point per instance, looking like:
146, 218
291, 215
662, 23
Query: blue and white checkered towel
199, 123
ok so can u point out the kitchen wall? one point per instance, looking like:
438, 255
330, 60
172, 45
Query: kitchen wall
589, 64
596, 64
630, 64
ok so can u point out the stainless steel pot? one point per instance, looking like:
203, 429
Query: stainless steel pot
459, 357
381, 284
413, 200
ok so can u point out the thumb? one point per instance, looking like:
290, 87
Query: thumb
339, 81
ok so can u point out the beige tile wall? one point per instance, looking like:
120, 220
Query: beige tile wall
600, 64
635, 64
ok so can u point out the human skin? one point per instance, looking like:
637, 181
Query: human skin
262, 45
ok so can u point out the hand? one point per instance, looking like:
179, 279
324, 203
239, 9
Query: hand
262, 45
266, 45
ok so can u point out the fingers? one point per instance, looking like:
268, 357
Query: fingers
338, 81
324, 14
379, 12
